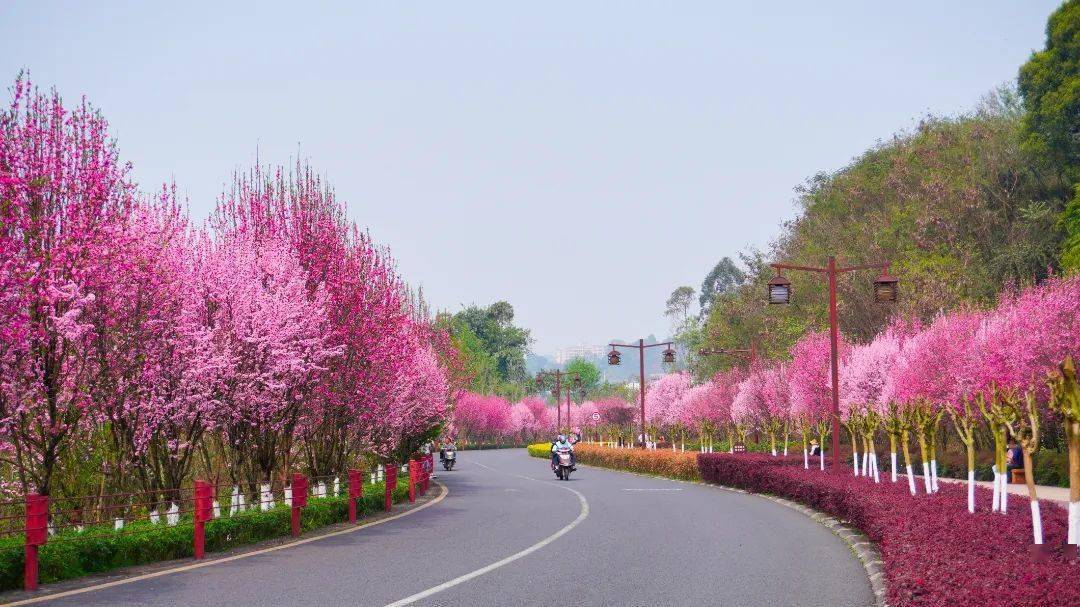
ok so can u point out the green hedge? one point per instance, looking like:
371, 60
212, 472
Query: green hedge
60, 559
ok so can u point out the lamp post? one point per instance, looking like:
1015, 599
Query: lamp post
885, 291
751, 351
558, 374
614, 358
569, 390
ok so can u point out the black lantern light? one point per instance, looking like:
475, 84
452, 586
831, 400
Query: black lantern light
577, 382
539, 381
613, 357
779, 289
886, 288
669, 355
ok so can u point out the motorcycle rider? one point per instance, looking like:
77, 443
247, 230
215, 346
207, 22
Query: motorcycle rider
562, 443
447, 445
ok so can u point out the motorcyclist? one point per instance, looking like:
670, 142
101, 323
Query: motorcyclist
562, 443
447, 445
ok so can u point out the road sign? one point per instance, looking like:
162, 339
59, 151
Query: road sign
596, 417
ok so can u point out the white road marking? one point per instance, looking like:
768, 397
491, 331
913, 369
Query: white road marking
235, 557
409, 600
652, 489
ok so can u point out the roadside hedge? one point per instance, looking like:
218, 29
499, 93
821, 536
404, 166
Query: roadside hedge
71, 554
934, 552
670, 464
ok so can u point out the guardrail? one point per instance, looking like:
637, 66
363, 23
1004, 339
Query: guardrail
78, 518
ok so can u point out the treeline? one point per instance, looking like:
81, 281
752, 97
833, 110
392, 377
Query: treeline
963, 207
138, 349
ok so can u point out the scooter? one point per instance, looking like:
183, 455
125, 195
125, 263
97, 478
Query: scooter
448, 459
563, 465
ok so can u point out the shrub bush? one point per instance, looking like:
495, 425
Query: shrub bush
67, 555
670, 464
935, 553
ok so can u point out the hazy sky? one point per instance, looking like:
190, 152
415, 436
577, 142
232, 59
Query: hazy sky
579, 160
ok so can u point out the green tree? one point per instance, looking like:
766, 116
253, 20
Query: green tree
724, 278
589, 372
1050, 86
495, 346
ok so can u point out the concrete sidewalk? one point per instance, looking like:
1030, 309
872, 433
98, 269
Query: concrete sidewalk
1045, 492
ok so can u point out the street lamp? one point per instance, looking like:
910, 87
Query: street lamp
779, 289
751, 351
885, 291
614, 358
558, 374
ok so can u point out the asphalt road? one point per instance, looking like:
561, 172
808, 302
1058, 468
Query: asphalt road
625, 540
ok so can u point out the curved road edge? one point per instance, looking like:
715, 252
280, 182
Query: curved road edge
862, 546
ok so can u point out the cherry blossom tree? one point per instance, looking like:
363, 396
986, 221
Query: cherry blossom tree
63, 197
811, 386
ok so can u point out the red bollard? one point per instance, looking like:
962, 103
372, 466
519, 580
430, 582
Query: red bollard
391, 482
354, 493
203, 497
412, 480
37, 522
299, 500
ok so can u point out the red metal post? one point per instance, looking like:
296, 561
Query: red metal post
37, 522
834, 330
355, 486
299, 500
641, 366
412, 480
391, 482
203, 509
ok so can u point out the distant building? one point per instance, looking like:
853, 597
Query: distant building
565, 355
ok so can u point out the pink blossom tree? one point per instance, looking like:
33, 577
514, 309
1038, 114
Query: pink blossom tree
63, 197
811, 387
661, 400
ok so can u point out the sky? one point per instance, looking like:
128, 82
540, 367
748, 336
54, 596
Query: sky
579, 160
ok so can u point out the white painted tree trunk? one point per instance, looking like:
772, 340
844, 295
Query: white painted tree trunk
997, 491
785, 449
926, 477
892, 468
855, 461
1036, 522
1004, 494
911, 479
217, 509
873, 463
933, 475
806, 459
1074, 523
774, 452
380, 473
372, 477
172, 515
337, 486
971, 491
118, 524
865, 463
266, 498
234, 501
821, 457
155, 518
288, 496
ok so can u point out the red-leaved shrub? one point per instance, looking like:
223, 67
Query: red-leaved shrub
935, 553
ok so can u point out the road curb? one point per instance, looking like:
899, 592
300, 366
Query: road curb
127, 575
861, 546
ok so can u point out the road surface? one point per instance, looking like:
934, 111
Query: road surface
509, 533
